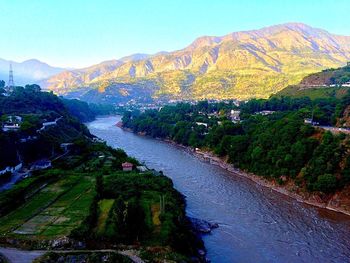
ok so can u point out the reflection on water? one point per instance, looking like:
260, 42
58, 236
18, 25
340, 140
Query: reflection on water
256, 224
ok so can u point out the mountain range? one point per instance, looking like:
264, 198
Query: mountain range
29, 71
240, 65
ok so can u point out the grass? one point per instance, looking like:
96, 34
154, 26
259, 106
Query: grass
54, 211
105, 206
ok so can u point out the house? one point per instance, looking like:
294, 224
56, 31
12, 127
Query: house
40, 165
11, 127
142, 168
265, 112
235, 116
202, 123
66, 146
13, 123
310, 121
13, 169
127, 166
346, 84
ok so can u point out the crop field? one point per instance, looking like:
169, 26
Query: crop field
105, 206
53, 211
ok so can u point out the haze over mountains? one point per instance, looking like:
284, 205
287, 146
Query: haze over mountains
240, 65
28, 71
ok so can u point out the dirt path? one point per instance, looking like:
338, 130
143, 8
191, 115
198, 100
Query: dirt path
27, 256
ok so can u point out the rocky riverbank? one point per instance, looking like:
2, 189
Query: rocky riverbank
339, 201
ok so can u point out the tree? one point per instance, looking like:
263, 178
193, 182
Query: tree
2, 84
326, 183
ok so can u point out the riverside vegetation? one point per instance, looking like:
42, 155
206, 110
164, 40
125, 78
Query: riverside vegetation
85, 201
279, 146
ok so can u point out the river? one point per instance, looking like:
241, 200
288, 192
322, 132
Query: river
256, 224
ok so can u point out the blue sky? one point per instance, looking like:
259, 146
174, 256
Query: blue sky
77, 33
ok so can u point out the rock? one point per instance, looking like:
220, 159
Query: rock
60, 242
202, 226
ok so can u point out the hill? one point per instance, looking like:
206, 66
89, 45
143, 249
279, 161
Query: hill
270, 138
239, 65
67, 190
327, 83
29, 71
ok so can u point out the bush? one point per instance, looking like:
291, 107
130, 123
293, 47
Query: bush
326, 183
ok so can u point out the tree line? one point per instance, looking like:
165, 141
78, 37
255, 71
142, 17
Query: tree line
279, 146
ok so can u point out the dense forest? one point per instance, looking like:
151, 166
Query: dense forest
277, 145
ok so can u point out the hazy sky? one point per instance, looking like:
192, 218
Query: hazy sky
77, 33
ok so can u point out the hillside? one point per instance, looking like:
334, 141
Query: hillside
327, 83
269, 139
69, 191
240, 65
328, 77
29, 71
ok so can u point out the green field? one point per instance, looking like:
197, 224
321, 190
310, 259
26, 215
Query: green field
53, 211
105, 206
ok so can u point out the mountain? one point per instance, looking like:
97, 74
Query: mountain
28, 71
240, 65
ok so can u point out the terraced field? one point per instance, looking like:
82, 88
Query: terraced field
53, 211
105, 206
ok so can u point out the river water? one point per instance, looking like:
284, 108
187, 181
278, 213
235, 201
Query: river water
255, 223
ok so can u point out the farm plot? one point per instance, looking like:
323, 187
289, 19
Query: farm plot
105, 206
54, 211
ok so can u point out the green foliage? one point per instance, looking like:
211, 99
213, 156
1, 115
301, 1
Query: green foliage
326, 183
91, 257
276, 145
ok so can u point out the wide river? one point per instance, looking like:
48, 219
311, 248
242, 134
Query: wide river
255, 223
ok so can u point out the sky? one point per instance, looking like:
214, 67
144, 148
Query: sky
80, 33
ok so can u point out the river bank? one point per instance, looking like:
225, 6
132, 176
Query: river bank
256, 224
338, 202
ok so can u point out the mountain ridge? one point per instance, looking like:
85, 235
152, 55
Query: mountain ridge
245, 64
27, 71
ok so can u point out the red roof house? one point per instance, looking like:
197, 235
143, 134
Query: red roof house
127, 166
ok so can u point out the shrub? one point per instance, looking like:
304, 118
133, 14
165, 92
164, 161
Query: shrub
326, 183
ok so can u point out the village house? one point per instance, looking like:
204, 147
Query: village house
12, 123
310, 121
346, 84
265, 112
127, 166
66, 146
40, 165
142, 168
235, 116
202, 123
10, 169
